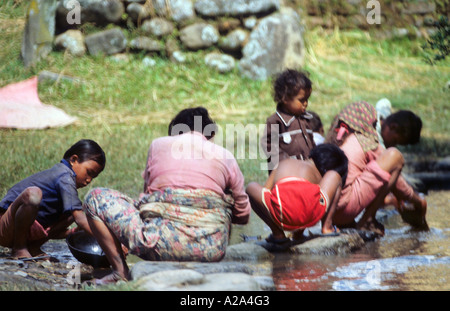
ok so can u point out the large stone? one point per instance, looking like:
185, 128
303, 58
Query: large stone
177, 10
227, 282
341, 244
199, 36
170, 279
39, 31
71, 41
158, 27
146, 44
274, 45
189, 280
221, 62
108, 42
138, 12
419, 7
144, 268
213, 8
247, 252
100, 12
234, 41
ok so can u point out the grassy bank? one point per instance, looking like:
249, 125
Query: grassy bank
123, 106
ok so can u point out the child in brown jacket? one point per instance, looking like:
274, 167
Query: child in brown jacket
287, 133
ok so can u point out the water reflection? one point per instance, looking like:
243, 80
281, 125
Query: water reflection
405, 259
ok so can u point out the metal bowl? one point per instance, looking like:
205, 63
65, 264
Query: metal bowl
86, 249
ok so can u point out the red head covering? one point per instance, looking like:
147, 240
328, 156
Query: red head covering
361, 117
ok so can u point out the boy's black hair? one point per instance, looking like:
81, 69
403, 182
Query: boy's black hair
288, 84
193, 119
86, 150
329, 157
408, 124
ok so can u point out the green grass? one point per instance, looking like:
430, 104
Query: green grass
124, 106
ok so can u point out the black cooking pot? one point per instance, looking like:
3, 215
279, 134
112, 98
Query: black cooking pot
86, 250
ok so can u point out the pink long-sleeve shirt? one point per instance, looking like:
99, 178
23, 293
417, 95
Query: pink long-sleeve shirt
360, 187
190, 161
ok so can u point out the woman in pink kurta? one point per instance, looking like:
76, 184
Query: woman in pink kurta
193, 191
373, 171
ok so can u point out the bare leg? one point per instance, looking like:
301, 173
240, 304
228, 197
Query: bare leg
390, 161
254, 191
330, 184
57, 231
24, 210
113, 251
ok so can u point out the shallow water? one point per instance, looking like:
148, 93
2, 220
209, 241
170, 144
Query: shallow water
404, 259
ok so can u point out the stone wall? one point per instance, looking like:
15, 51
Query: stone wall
414, 16
262, 36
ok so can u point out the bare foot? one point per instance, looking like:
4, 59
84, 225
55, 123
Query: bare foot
373, 226
329, 230
35, 250
21, 253
109, 279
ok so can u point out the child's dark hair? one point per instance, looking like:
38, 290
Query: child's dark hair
329, 157
288, 84
407, 123
86, 150
186, 120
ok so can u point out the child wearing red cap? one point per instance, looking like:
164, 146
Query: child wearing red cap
298, 194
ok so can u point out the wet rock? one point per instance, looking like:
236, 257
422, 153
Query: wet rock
199, 36
443, 164
226, 282
247, 252
71, 41
39, 31
274, 45
143, 268
225, 275
170, 280
108, 42
190, 280
332, 245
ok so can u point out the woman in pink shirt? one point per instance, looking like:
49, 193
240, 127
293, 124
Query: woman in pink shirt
373, 171
193, 191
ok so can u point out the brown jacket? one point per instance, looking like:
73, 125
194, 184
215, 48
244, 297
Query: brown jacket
287, 136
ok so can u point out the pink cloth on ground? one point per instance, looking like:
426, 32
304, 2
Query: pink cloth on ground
21, 108
190, 161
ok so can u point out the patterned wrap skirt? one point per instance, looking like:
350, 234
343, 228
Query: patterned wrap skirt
169, 225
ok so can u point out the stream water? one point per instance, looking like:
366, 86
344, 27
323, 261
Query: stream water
404, 259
